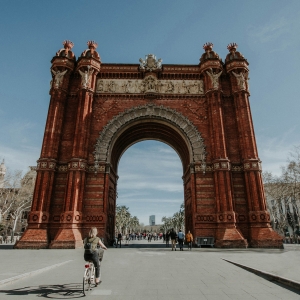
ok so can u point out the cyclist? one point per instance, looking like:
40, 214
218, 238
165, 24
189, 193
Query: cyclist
95, 253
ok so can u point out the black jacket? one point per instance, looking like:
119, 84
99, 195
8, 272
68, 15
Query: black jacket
173, 235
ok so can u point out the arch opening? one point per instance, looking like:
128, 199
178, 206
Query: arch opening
150, 183
149, 129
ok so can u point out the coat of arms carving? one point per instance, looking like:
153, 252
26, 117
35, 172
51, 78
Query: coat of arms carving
150, 63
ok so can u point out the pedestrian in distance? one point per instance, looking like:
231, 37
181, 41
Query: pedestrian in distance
189, 240
119, 239
173, 236
180, 239
167, 239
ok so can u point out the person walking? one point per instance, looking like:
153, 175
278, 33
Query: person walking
127, 239
119, 239
173, 236
167, 237
189, 240
180, 239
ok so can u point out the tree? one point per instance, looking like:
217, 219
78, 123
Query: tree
176, 222
167, 224
283, 195
15, 198
124, 221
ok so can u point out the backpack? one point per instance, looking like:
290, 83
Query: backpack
89, 248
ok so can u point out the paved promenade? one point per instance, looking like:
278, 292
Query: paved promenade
145, 270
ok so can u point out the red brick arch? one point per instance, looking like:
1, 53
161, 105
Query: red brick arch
98, 110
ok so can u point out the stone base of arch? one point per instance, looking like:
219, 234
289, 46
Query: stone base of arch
33, 239
230, 238
265, 237
67, 238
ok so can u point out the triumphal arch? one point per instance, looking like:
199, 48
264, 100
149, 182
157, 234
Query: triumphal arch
97, 110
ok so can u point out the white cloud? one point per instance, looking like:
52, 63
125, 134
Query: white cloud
19, 158
269, 31
278, 33
274, 151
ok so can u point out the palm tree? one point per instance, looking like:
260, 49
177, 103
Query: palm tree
122, 218
124, 221
176, 222
167, 224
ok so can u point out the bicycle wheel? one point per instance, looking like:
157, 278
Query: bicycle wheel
86, 281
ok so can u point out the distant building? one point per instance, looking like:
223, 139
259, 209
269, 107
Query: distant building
152, 220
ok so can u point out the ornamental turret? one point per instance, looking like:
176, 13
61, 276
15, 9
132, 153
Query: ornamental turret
237, 68
88, 66
211, 67
62, 65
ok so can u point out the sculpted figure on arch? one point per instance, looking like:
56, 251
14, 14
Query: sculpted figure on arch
200, 86
85, 77
214, 78
100, 85
240, 78
58, 77
170, 87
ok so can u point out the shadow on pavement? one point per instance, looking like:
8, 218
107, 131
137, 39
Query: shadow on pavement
59, 291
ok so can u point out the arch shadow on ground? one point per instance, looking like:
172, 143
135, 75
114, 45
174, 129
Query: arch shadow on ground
57, 291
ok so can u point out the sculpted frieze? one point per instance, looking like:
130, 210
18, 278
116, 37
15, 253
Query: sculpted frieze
149, 85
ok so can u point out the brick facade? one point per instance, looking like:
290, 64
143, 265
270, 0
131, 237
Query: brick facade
98, 110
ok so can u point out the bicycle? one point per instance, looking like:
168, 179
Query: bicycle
89, 277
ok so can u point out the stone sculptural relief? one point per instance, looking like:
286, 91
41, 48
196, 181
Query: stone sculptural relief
214, 78
86, 77
241, 79
150, 63
58, 78
150, 85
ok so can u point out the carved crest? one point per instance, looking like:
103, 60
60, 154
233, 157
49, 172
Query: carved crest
150, 63
150, 84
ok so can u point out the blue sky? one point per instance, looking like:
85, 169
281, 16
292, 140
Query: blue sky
267, 33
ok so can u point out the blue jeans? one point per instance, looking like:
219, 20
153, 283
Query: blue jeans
180, 242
